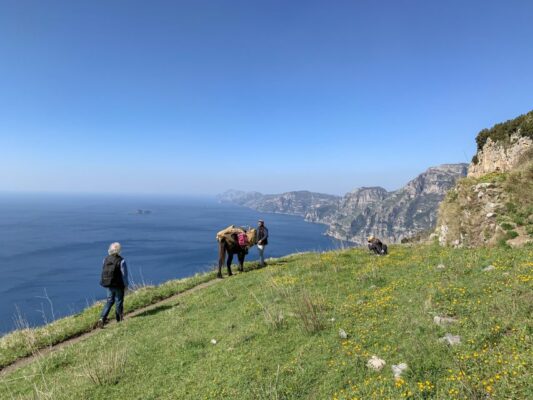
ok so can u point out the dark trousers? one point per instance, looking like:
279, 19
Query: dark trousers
115, 295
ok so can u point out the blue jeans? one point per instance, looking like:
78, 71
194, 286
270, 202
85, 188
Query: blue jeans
114, 294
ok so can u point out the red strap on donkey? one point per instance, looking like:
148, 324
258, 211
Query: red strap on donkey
242, 239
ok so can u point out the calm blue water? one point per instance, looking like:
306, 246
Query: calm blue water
54, 245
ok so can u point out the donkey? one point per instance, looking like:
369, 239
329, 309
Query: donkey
229, 244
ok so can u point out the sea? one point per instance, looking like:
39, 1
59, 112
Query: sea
52, 246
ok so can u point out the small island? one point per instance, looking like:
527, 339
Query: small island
142, 212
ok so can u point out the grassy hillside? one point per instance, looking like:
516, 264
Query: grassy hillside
496, 208
27, 341
277, 334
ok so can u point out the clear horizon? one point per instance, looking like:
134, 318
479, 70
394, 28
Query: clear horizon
181, 195
197, 97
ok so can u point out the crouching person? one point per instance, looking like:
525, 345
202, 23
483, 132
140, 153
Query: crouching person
376, 246
115, 280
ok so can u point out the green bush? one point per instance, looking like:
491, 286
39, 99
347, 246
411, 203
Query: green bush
503, 243
511, 235
506, 226
511, 207
504, 130
519, 219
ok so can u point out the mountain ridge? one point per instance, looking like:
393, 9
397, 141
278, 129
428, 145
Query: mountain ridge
391, 215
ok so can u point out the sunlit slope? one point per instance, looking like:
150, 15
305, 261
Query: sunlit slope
273, 333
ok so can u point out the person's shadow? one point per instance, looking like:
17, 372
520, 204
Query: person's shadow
154, 311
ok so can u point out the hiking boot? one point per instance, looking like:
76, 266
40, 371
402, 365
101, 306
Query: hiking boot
100, 324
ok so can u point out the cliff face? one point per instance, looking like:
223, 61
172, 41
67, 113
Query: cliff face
396, 215
494, 204
391, 216
302, 203
500, 156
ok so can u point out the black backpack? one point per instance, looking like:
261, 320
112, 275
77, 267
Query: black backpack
111, 273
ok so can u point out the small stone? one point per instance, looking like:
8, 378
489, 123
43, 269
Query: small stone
450, 339
332, 319
343, 334
213, 341
489, 268
441, 321
491, 214
372, 286
485, 185
441, 266
376, 363
397, 370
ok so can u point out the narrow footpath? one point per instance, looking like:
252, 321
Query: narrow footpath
76, 339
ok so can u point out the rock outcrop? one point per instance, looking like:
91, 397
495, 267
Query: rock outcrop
498, 156
392, 216
494, 204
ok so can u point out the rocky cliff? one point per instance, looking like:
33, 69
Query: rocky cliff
494, 204
498, 156
391, 216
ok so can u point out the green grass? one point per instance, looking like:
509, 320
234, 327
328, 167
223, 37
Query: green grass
25, 341
277, 333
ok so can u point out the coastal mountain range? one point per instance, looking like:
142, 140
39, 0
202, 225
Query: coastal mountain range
390, 215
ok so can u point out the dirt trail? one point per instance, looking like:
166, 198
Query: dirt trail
47, 350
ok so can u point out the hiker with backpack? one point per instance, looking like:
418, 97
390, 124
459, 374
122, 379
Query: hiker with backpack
262, 241
115, 279
375, 245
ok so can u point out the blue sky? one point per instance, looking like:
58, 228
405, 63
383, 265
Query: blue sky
199, 96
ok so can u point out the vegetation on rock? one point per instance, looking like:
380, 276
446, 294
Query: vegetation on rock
494, 209
522, 126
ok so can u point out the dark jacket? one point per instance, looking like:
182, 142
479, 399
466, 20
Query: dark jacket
377, 246
262, 234
114, 272
376, 242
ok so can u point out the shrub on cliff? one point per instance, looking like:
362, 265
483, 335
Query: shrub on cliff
523, 125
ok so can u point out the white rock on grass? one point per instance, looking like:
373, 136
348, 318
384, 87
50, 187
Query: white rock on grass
489, 268
441, 321
397, 370
332, 320
450, 339
441, 266
213, 341
376, 363
343, 334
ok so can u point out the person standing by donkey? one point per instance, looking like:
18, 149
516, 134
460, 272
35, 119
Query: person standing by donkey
262, 241
115, 280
